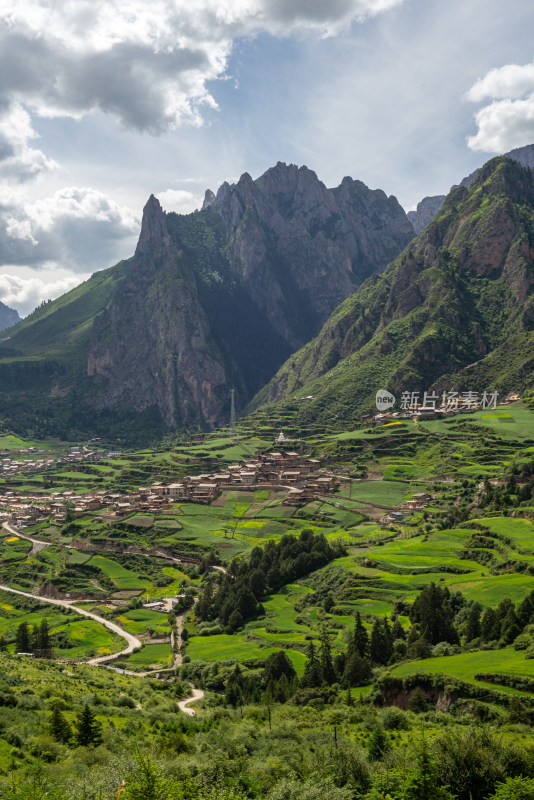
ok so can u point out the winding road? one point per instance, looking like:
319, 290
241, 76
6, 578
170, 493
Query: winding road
133, 641
183, 705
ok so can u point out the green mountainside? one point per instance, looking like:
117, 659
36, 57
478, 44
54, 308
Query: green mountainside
454, 311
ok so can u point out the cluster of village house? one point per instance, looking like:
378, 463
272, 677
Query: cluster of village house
300, 474
11, 466
417, 503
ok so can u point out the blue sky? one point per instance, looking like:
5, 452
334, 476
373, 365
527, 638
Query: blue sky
104, 102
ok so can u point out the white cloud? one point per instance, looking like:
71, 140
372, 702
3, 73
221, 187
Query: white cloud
509, 82
179, 200
79, 228
147, 64
25, 294
508, 121
19, 162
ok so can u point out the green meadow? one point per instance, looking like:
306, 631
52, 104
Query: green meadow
466, 665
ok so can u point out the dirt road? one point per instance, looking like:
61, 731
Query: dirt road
133, 641
183, 705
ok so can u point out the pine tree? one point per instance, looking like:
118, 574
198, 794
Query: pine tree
398, 630
3, 645
22, 641
357, 670
473, 624
433, 612
313, 674
424, 784
361, 637
388, 639
490, 626
59, 726
379, 744
327, 665
41, 641
88, 729
381, 646
149, 783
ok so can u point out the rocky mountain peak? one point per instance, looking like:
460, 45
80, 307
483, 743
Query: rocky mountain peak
153, 227
209, 199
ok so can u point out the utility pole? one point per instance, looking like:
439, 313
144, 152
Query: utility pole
233, 420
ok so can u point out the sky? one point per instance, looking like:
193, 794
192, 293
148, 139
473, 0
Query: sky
104, 102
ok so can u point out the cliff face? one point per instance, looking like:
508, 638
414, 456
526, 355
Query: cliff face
300, 248
425, 212
222, 297
152, 346
456, 307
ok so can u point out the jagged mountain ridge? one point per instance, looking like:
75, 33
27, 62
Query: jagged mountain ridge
428, 207
211, 300
455, 308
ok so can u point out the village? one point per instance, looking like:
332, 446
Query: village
301, 475
12, 466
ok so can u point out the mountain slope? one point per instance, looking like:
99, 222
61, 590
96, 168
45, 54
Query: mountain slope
454, 310
210, 300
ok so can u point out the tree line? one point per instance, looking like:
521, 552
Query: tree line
236, 597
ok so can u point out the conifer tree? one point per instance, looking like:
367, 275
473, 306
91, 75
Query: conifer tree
88, 729
41, 640
22, 641
473, 624
424, 783
398, 630
379, 744
327, 665
490, 626
381, 646
59, 726
361, 637
313, 674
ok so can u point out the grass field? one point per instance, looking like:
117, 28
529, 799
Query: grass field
222, 647
141, 620
386, 493
466, 665
151, 655
121, 577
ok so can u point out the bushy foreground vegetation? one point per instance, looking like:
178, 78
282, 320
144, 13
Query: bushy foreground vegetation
92, 733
